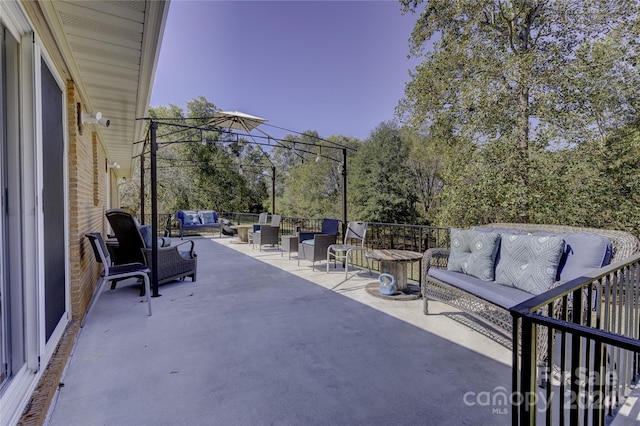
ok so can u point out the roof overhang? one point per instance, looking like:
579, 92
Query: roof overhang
111, 49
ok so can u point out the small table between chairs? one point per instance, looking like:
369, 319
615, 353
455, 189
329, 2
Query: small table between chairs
395, 262
289, 244
243, 232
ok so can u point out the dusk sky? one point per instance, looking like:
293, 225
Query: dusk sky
337, 67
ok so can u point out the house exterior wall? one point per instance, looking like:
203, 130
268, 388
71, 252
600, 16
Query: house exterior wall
87, 204
87, 184
41, 305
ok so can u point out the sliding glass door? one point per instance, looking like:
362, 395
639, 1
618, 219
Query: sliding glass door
12, 297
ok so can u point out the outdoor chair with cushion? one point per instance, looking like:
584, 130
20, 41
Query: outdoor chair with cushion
266, 234
313, 245
174, 262
115, 272
262, 220
356, 233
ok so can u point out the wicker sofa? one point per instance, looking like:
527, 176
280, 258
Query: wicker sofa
488, 302
198, 221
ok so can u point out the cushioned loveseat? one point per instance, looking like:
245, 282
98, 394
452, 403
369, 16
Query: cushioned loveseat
201, 220
492, 268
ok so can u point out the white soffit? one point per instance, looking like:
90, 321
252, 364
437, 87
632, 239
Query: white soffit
112, 49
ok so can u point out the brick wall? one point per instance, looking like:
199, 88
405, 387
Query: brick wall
87, 203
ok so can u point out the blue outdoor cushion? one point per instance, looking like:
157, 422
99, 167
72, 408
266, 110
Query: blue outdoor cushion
208, 217
145, 231
501, 295
529, 262
584, 252
310, 242
189, 217
474, 253
330, 226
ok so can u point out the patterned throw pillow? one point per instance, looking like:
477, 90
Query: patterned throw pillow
191, 218
529, 262
473, 253
208, 217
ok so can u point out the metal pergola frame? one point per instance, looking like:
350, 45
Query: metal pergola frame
152, 142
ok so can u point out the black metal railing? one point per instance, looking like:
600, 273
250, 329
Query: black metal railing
591, 360
379, 236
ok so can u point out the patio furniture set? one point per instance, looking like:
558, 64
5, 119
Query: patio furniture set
129, 254
316, 246
487, 270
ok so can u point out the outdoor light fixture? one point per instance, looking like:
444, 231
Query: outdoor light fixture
114, 165
95, 118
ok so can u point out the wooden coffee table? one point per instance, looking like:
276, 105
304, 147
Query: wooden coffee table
243, 232
395, 262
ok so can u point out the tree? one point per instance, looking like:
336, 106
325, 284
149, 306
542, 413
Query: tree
380, 185
311, 170
525, 75
196, 168
425, 164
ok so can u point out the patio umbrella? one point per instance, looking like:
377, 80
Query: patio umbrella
241, 121
236, 120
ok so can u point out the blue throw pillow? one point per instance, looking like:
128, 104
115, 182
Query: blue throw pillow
473, 253
191, 218
584, 252
208, 217
145, 231
529, 262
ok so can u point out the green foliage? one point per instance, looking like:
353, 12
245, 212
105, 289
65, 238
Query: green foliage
522, 76
310, 167
438, 175
197, 169
381, 187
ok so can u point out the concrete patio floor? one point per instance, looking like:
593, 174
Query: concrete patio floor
258, 340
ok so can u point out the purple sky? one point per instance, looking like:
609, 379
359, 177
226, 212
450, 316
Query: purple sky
337, 67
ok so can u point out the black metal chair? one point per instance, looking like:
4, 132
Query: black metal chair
173, 263
115, 272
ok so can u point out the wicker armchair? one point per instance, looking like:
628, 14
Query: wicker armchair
313, 245
266, 234
174, 262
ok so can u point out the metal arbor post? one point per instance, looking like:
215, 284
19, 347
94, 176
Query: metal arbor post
154, 210
344, 192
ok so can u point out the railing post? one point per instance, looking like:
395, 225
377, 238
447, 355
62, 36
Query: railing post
576, 353
527, 397
515, 391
